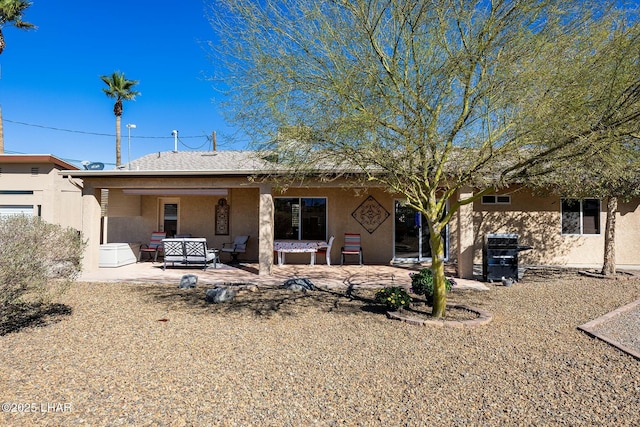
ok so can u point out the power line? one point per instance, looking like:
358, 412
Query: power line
94, 133
207, 142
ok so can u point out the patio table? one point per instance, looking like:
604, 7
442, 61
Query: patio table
296, 246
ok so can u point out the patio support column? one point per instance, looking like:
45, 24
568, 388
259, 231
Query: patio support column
465, 236
91, 228
265, 238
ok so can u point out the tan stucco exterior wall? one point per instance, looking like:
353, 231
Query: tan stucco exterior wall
265, 236
132, 218
58, 199
462, 237
91, 227
628, 233
377, 247
537, 221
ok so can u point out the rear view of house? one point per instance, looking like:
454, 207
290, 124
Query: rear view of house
223, 194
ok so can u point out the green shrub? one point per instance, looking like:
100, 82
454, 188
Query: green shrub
422, 282
38, 260
393, 297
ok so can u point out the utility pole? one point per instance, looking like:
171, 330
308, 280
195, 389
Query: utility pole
1, 125
1, 133
214, 140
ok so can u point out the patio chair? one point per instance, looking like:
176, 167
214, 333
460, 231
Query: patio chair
326, 250
238, 246
154, 246
351, 246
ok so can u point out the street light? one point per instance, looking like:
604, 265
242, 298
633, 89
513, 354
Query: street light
129, 127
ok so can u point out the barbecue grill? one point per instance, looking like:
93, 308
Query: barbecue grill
500, 256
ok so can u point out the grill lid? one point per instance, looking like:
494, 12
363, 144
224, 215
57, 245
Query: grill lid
502, 240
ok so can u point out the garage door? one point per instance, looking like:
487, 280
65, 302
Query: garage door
6, 210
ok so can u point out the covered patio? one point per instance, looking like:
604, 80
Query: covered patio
221, 195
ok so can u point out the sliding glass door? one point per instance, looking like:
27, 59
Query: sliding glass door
411, 236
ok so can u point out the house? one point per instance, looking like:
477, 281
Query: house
222, 194
33, 184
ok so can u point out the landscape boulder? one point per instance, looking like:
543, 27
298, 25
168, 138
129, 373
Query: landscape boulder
299, 284
188, 281
220, 295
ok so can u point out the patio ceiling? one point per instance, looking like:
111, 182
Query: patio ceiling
177, 191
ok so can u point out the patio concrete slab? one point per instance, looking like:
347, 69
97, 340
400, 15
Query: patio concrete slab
335, 277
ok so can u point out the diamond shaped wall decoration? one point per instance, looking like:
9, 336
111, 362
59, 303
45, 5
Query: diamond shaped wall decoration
370, 214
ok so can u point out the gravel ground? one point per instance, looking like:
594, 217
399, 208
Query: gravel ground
623, 328
150, 354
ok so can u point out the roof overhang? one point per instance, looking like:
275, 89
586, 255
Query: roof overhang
37, 158
159, 173
190, 173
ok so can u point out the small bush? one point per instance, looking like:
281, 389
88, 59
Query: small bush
38, 260
422, 282
393, 297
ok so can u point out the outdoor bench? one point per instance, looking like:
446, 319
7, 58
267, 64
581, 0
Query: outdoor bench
188, 251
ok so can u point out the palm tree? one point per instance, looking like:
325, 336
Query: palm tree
121, 89
11, 13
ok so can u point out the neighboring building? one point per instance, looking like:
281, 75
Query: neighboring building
219, 195
32, 184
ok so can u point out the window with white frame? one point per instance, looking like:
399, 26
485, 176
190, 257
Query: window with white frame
300, 218
580, 216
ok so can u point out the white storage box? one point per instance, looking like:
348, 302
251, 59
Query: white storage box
116, 255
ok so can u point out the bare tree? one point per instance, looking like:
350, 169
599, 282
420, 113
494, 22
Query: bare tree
422, 97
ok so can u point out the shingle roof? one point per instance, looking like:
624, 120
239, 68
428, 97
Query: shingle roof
214, 163
223, 161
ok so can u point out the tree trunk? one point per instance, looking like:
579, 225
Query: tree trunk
609, 263
2, 42
437, 267
118, 157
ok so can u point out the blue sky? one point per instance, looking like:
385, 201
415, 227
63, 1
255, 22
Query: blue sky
50, 78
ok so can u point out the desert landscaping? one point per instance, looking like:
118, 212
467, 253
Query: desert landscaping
153, 354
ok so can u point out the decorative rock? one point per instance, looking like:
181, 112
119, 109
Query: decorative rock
220, 295
188, 281
299, 284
